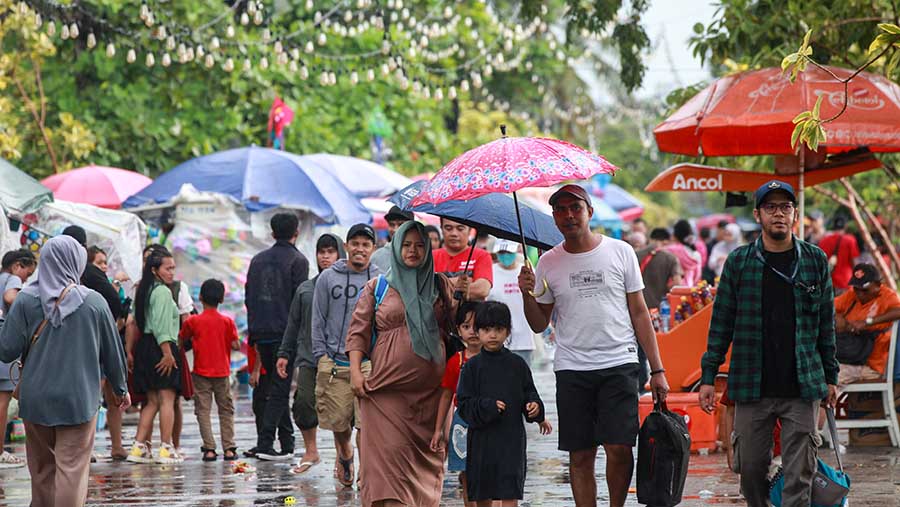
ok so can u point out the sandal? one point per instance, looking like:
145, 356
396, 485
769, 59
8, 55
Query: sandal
209, 454
345, 474
304, 467
230, 454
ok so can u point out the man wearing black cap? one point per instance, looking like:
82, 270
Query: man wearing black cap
868, 310
594, 284
774, 308
337, 290
394, 218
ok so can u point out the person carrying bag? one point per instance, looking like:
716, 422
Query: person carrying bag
854, 348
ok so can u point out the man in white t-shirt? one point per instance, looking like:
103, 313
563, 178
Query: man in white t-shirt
594, 284
506, 290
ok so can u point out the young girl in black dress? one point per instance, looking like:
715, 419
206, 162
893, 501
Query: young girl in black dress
495, 391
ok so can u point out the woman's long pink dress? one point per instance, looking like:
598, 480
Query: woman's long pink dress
397, 419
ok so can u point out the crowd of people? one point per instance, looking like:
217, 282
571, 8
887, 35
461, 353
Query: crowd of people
424, 347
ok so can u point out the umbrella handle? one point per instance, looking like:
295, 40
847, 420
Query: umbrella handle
543, 280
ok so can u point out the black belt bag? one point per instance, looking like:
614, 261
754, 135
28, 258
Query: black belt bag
855, 348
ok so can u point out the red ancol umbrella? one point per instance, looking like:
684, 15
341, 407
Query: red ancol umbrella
511, 163
105, 187
751, 113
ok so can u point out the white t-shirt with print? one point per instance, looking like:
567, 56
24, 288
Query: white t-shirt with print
593, 326
506, 290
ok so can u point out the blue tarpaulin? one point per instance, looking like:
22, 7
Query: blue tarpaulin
260, 178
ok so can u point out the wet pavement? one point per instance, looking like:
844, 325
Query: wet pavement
875, 473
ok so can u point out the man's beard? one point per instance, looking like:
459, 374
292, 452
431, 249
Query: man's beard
778, 235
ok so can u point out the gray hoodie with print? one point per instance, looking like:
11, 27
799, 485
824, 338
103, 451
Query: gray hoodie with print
337, 290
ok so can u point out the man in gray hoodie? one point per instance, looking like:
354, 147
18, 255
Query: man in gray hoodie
337, 290
296, 351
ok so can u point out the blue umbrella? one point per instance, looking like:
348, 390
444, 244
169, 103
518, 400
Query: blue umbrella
363, 177
494, 214
619, 199
604, 215
261, 178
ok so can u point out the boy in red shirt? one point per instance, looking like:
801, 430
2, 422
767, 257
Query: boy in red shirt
213, 336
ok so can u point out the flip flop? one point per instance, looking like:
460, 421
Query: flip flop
209, 455
230, 454
298, 470
345, 476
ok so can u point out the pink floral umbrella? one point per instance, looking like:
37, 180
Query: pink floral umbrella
511, 163
105, 187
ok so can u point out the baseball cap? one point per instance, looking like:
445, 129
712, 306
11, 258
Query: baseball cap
772, 186
361, 230
396, 213
571, 190
863, 275
505, 245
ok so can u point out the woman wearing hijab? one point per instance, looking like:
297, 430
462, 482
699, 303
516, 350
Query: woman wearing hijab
399, 400
720, 250
62, 328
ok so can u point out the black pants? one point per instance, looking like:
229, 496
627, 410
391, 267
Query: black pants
271, 402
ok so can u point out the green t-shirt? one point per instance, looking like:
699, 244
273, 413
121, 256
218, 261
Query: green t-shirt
162, 315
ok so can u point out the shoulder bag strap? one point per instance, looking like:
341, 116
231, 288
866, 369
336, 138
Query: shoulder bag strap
43, 324
381, 288
647, 259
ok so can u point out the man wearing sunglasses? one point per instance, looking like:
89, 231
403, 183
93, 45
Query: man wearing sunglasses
774, 308
868, 309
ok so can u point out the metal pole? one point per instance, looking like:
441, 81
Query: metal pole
801, 197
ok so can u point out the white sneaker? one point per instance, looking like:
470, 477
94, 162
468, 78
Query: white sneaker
10, 460
140, 453
168, 455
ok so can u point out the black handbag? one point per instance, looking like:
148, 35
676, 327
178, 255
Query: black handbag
854, 348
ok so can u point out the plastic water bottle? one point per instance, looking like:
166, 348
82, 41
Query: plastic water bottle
665, 313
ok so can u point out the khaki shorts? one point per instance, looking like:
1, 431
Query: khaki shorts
336, 406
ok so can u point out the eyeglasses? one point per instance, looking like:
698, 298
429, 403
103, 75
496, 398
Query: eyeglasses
771, 207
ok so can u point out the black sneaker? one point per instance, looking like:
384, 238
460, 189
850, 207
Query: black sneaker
272, 455
251, 453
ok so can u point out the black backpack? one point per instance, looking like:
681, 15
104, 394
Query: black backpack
664, 449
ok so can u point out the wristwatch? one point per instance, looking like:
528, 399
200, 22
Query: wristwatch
869, 321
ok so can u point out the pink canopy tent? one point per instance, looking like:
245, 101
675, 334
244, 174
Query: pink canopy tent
105, 187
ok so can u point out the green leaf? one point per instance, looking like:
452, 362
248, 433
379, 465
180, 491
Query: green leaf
889, 28
881, 42
789, 60
795, 136
817, 108
805, 115
698, 28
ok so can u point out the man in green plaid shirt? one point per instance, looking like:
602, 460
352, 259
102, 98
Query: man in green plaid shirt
774, 306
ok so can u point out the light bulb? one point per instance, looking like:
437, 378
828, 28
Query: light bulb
351, 32
451, 92
385, 69
73, 31
110, 50
51, 28
508, 45
323, 79
189, 56
438, 94
228, 66
229, 32
332, 79
304, 73
161, 32
150, 61
91, 40
263, 63
448, 12
426, 92
64, 33
258, 18
251, 8
322, 39
166, 60
412, 52
247, 65
292, 66
180, 52
245, 19
266, 35
412, 21
200, 52
488, 70
210, 61
404, 14
404, 83
385, 47
282, 59
416, 86
37, 20
468, 22
354, 78
279, 47
170, 43
309, 48
214, 43
529, 65
348, 16
145, 11
423, 42
317, 17
309, 5
131, 56
370, 75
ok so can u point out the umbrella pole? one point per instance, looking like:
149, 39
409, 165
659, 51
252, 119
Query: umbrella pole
802, 194
521, 232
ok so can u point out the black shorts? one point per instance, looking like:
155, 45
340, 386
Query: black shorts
597, 407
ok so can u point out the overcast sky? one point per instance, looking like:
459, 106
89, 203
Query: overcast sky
669, 24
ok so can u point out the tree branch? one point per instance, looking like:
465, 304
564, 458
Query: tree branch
832, 195
874, 221
870, 244
37, 119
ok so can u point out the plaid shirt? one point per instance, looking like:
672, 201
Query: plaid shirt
737, 321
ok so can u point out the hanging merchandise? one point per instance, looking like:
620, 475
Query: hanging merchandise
380, 129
